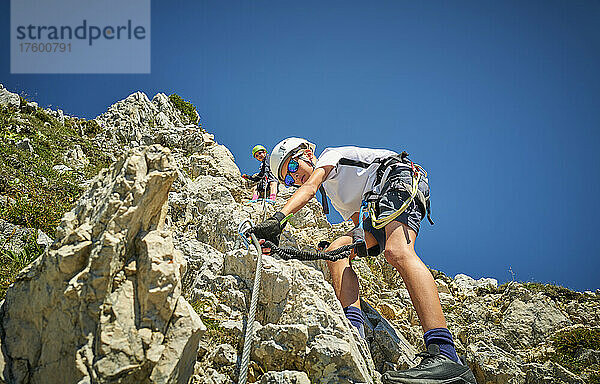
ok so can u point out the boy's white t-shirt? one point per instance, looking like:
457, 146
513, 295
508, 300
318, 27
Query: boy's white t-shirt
346, 184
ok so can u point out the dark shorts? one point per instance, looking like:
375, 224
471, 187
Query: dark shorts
393, 197
262, 185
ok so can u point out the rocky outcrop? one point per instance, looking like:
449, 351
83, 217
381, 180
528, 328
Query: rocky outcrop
137, 121
285, 377
9, 99
104, 302
75, 158
304, 326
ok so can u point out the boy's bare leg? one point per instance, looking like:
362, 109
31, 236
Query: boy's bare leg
273, 190
343, 277
401, 254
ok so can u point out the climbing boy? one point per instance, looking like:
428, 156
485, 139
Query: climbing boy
398, 194
264, 177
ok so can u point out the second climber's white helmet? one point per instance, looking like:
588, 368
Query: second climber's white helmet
284, 150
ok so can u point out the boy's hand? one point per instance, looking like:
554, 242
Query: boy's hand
270, 229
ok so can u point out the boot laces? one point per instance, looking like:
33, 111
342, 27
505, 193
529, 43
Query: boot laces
427, 358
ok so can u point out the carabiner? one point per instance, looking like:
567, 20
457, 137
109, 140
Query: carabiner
243, 229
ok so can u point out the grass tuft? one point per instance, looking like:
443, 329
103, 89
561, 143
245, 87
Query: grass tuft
11, 262
185, 107
214, 331
569, 343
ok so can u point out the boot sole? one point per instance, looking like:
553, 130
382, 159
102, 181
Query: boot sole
454, 380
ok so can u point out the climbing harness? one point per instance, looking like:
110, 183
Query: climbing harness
379, 223
383, 172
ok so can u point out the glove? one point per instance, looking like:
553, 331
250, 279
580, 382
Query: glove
270, 229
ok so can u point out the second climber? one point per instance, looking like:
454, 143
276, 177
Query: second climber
265, 178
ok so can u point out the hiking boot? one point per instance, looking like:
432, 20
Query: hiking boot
435, 368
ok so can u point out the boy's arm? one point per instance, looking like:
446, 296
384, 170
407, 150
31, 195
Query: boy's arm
307, 191
271, 228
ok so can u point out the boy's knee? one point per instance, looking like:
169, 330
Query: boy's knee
397, 255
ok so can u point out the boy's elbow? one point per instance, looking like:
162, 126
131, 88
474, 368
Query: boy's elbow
312, 191
307, 191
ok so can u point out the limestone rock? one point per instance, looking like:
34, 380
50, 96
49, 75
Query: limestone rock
223, 354
25, 145
465, 285
285, 377
492, 365
310, 217
207, 207
211, 376
530, 322
293, 293
137, 121
58, 114
7, 200
550, 373
330, 359
204, 262
281, 346
389, 347
9, 99
103, 304
61, 168
43, 240
75, 158
585, 311
217, 161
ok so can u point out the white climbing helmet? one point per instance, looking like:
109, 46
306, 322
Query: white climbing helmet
285, 149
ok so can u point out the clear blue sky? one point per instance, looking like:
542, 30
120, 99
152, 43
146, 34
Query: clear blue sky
499, 101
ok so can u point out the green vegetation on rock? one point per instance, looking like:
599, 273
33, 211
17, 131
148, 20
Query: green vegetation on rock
38, 194
570, 347
11, 262
555, 291
185, 107
214, 332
